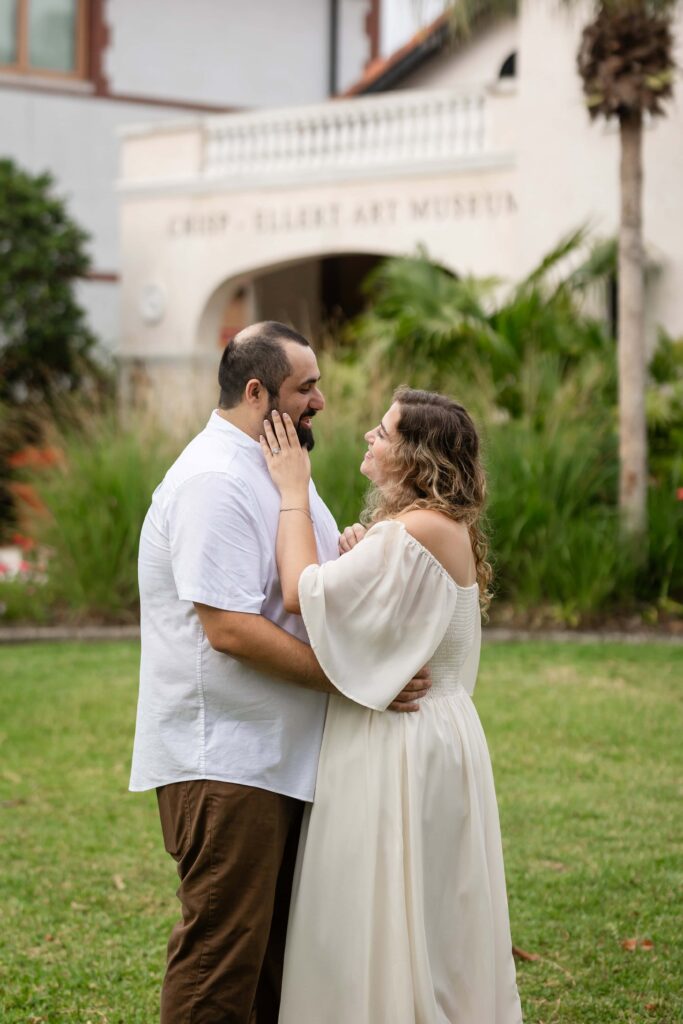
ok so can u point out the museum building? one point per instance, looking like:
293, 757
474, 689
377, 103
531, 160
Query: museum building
234, 169
480, 152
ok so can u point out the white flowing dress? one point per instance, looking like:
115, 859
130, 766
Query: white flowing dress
399, 910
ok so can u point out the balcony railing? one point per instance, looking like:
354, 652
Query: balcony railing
346, 137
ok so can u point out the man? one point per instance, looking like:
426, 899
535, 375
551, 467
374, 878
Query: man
232, 700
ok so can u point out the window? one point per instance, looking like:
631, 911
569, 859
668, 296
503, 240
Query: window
43, 37
508, 68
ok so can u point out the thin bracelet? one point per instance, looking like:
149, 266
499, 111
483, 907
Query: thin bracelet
304, 510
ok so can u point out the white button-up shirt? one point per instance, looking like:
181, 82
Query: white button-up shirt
209, 536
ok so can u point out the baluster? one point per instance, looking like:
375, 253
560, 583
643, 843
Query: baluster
309, 145
294, 143
316, 149
236, 137
453, 134
361, 133
387, 133
274, 146
223, 154
438, 127
208, 151
345, 138
419, 125
462, 122
410, 147
218, 158
262, 146
362, 137
425, 145
481, 123
249, 148
332, 140
298, 144
265, 147
376, 137
288, 142
351, 156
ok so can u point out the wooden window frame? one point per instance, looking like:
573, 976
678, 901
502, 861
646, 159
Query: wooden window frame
22, 66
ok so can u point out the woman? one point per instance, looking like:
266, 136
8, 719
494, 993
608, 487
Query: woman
399, 911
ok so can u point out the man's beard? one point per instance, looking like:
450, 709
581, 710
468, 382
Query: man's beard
305, 434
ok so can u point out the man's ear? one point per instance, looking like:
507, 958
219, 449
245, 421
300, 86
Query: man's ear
253, 391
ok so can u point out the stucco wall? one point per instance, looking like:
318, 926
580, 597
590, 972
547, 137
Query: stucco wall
475, 62
567, 166
354, 42
218, 52
75, 138
400, 20
547, 170
186, 245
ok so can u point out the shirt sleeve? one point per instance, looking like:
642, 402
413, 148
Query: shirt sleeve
218, 554
376, 615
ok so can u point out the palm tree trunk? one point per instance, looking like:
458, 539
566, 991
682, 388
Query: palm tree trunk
631, 335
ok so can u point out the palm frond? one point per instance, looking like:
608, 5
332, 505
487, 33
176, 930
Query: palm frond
600, 264
568, 245
463, 14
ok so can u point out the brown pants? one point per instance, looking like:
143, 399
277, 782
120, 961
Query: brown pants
235, 847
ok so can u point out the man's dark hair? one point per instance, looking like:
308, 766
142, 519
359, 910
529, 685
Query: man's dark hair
257, 351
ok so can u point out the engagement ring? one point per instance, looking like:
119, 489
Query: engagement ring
275, 451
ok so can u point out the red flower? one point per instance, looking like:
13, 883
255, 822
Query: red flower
34, 457
25, 543
679, 494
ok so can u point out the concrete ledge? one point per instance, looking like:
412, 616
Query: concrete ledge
490, 634
500, 634
33, 634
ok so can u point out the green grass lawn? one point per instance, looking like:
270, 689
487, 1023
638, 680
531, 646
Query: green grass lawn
586, 745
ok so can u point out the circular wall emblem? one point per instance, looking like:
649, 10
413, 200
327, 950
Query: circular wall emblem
152, 303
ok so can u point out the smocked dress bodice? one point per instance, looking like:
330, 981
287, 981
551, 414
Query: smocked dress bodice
450, 662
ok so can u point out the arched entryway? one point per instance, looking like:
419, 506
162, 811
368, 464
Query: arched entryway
316, 295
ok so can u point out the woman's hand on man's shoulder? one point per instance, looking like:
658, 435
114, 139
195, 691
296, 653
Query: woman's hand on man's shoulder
350, 536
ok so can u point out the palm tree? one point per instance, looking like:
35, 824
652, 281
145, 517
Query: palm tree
626, 64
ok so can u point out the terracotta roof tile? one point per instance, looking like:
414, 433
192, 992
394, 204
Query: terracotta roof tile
376, 69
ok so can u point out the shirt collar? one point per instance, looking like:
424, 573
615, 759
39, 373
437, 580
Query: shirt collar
237, 436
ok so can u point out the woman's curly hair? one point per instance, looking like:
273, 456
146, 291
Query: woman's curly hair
437, 466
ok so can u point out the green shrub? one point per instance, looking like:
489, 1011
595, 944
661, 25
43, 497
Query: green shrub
664, 407
661, 580
24, 602
46, 346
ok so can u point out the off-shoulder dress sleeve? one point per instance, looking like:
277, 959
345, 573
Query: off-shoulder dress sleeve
376, 615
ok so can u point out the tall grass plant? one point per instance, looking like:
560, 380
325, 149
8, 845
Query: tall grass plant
537, 373
554, 528
96, 500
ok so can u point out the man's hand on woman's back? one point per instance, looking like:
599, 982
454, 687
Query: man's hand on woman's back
351, 536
